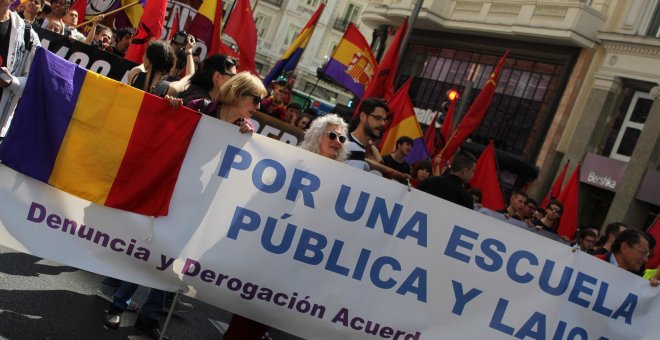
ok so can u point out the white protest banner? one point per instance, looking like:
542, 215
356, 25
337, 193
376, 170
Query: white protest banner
325, 251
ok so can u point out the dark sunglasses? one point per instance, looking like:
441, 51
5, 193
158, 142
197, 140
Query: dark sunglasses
255, 99
333, 135
555, 209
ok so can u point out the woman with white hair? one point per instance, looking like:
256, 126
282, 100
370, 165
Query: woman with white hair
326, 137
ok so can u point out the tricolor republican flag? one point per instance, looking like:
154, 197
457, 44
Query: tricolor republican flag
96, 138
291, 57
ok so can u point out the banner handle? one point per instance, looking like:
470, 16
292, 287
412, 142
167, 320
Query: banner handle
108, 13
169, 314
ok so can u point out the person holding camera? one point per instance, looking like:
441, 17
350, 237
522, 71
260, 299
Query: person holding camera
183, 44
213, 72
18, 41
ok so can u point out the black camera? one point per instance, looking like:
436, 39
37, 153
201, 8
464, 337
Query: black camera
181, 59
180, 37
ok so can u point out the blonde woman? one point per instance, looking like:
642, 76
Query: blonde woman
237, 99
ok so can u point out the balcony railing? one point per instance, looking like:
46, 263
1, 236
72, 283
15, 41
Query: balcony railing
574, 22
277, 3
341, 24
304, 10
265, 44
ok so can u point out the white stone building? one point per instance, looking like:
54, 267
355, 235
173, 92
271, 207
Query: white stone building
280, 21
580, 84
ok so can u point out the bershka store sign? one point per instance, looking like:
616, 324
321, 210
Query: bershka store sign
602, 172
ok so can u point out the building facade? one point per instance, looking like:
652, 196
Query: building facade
579, 85
280, 21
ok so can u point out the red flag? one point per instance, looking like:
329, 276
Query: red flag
150, 27
556, 187
175, 26
207, 25
569, 198
654, 230
473, 117
485, 178
81, 7
446, 129
240, 26
429, 135
382, 84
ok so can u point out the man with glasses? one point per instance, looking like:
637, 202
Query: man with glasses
373, 116
552, 214
586, 239
630, 251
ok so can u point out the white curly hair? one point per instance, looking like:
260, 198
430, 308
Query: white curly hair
313, 135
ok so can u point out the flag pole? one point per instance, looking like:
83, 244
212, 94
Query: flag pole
108, 13
438, 157
309, 95
231, 10
406, 37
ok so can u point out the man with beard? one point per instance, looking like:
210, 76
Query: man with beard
373, 116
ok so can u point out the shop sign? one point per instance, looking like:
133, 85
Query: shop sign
602, 172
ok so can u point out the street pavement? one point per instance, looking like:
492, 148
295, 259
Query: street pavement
42, 299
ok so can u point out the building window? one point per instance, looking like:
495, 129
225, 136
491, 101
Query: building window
277, 3
331, 50
262, 22
313, 3
520, 106
318, 91
628, 124
292, 34
654, 25
351, 14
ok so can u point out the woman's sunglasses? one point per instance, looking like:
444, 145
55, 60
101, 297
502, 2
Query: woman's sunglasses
333, 135
255, 99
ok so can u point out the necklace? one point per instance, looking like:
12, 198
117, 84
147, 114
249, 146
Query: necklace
160, 80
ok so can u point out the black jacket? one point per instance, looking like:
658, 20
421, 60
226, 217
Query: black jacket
448, 187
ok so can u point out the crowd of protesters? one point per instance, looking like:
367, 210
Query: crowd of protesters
213, 87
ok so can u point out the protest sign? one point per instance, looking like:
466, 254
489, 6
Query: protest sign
325, 251
91, 58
